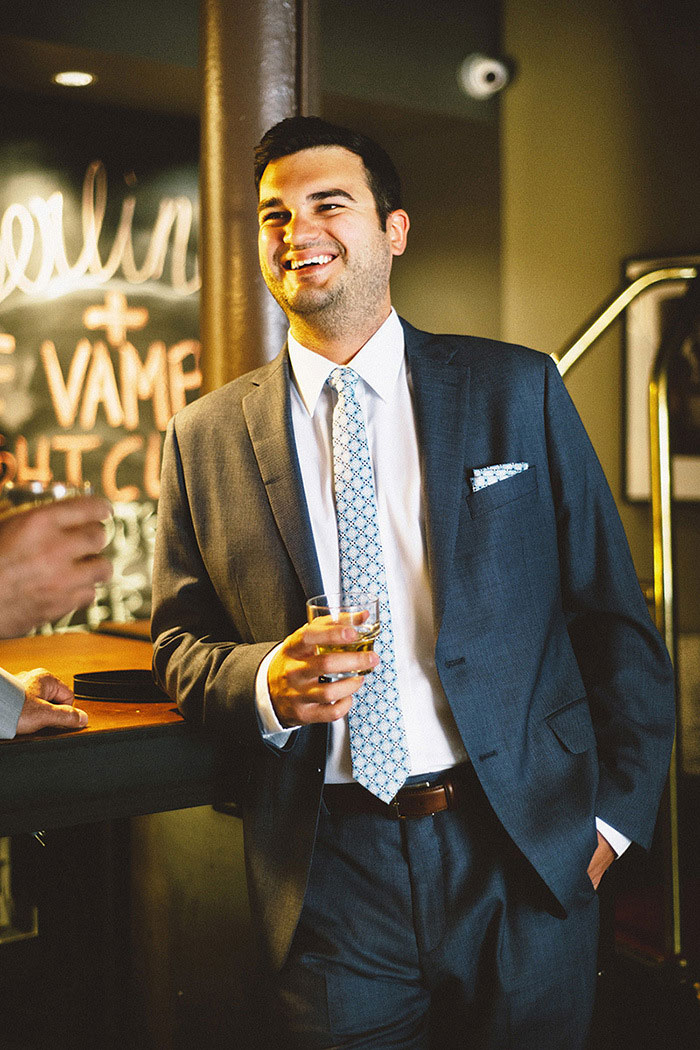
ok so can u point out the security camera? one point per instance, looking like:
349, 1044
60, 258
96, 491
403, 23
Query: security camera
481, 76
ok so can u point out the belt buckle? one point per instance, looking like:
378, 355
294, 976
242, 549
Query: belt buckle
396, 801
395, 805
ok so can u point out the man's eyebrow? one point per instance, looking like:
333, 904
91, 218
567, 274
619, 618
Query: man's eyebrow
317, 195
322, 195
269, 202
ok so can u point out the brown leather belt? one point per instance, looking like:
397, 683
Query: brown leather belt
417, 800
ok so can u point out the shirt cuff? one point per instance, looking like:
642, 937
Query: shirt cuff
272, 730
616, 839
12, 698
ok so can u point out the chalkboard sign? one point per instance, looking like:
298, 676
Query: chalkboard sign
99, 310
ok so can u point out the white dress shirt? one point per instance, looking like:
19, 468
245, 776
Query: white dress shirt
384, 393
385, 396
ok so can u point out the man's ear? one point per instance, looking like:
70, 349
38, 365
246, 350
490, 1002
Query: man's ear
397, 225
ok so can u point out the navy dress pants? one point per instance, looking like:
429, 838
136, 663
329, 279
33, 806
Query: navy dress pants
434, 934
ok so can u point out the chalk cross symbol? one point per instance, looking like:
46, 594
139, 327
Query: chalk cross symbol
115, 317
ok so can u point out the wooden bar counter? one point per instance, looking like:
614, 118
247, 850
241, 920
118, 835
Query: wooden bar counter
131, 759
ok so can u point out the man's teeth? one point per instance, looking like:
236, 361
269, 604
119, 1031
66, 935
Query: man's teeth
296, 264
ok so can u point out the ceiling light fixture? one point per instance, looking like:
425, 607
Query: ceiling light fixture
73, 78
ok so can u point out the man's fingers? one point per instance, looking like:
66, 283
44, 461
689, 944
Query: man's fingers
51, 562
73, 528
600, 861
40, 684
74, 589
65, 522
307, 712
32, 680
324, 631
61, 716
326, 665
86, 540
320, 692
325, 647
317, 701
57, 692
91, 570
83, 510
333, 712
41, 714
298, 673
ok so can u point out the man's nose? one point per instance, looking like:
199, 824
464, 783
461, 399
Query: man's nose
300, 229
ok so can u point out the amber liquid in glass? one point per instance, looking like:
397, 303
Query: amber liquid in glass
363, 644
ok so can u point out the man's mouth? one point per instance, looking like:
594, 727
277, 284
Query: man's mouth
314, 260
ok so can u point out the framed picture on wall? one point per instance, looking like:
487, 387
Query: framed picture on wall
648, 319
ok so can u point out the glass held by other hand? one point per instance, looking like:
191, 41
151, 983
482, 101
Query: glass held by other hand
15, 498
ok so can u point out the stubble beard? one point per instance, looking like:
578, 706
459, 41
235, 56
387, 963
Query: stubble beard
343, 307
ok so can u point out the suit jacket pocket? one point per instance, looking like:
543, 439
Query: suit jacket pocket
573, 727
502, 492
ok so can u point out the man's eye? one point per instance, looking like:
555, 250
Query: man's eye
272, 216
329, 206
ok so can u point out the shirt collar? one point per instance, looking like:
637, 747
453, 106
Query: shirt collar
378, 363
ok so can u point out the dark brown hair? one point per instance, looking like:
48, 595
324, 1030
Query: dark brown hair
298, 133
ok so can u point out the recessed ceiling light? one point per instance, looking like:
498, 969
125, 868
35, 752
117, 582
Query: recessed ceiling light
73, 78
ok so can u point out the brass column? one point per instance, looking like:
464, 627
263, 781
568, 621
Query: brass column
257, 68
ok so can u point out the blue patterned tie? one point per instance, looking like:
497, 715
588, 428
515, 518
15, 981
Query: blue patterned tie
380, 759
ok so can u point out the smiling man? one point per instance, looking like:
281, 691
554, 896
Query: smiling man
324, 254
423, 842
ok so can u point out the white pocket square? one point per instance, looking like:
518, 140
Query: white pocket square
482, 477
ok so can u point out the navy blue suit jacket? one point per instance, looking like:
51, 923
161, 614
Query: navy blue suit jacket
558, 681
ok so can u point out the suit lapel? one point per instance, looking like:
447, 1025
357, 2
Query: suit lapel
268, 417
440, 397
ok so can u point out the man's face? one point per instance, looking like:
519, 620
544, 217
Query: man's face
323, 253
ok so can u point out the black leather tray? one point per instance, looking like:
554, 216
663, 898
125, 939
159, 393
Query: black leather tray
126, 686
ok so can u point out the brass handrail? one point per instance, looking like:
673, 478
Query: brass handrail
568, 356
662, 517
662, 501
662, 526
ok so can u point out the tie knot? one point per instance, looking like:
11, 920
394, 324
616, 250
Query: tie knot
343, 380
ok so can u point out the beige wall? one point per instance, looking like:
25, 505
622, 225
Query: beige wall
448, 280
598, 164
